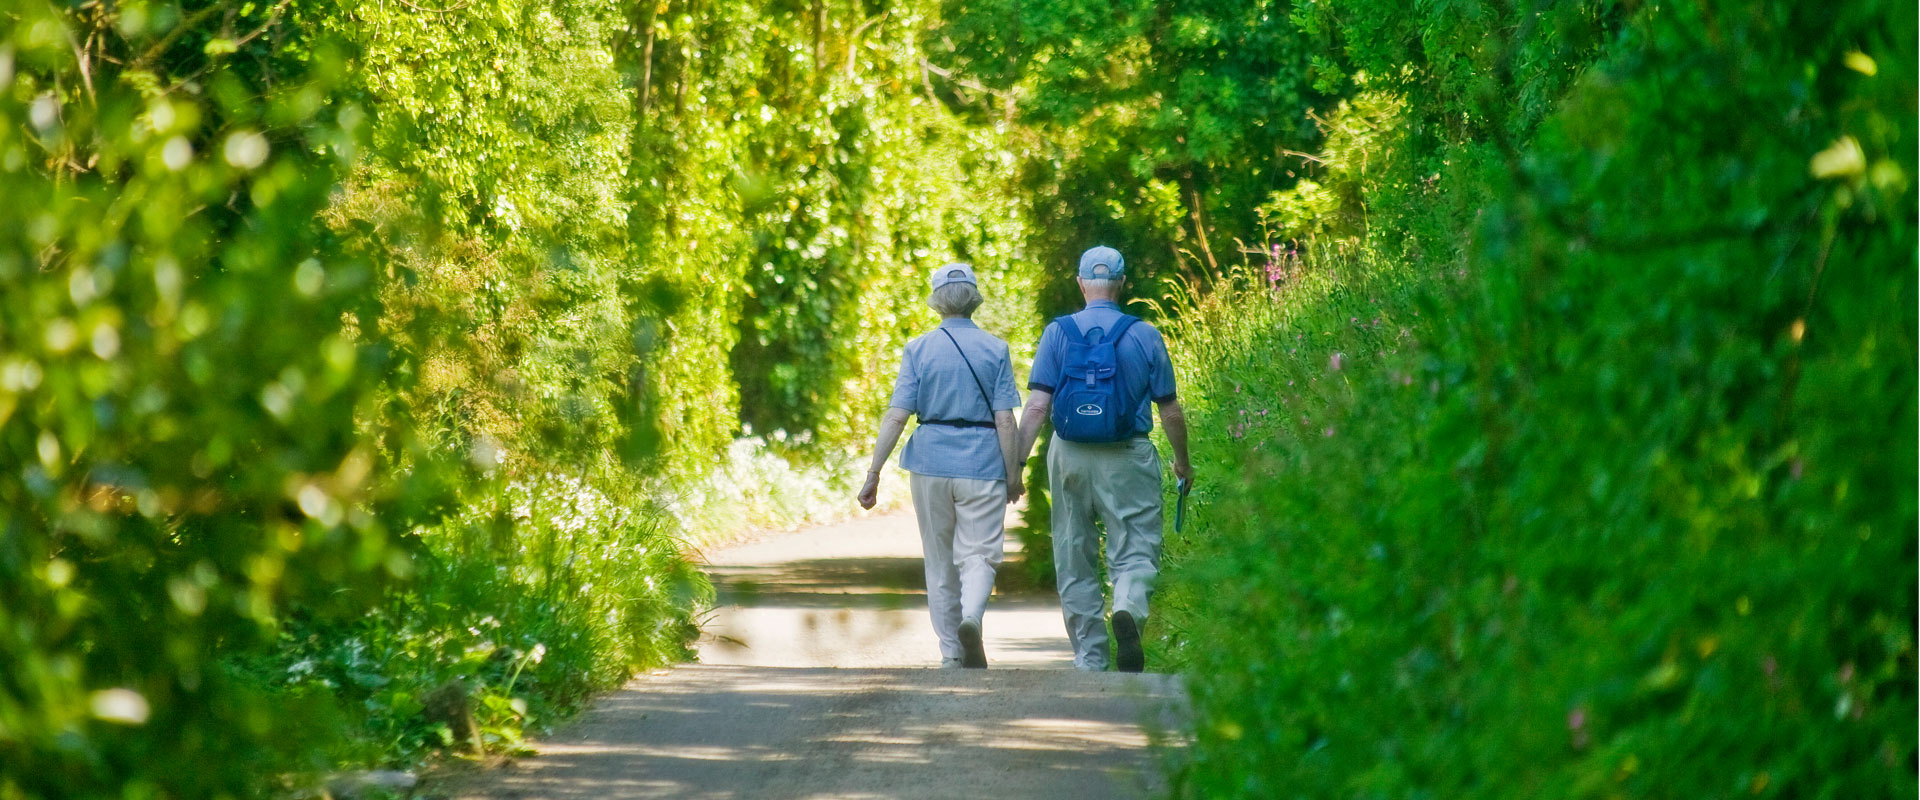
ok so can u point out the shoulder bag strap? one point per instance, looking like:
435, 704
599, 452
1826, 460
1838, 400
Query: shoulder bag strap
984, 394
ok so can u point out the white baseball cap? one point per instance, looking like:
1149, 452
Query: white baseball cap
956, 272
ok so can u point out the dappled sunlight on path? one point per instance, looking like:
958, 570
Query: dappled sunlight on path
853, 595
759, 732
816, 682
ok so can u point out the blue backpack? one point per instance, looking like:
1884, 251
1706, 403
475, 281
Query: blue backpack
1091, 404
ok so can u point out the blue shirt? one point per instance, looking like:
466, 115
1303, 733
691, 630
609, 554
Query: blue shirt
1145, 367
934, 383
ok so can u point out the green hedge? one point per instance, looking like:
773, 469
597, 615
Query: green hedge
1588, 470
190, 416
354, 353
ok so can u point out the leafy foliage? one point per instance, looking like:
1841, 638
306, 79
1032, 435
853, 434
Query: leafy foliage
1147, 126
189, 419
357, 354
1586, 468
525, 605
1155, 128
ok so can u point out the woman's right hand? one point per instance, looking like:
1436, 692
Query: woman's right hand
1015, 491
870, 493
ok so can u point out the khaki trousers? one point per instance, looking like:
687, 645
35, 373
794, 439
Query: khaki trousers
962, 539
1118, 483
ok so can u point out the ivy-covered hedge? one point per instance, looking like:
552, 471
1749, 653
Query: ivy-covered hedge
1587, 467
354, 353
799, 180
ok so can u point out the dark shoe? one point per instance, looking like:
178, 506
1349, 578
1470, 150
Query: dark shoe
1126, 635
973, 651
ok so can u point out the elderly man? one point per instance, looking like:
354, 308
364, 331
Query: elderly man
1093, 376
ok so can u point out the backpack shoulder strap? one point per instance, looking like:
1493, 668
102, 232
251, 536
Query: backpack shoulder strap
1120, 328
1070, 330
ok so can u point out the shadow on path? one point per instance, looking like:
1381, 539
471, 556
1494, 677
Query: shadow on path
815, 685
786, 734
853, 595
884, 583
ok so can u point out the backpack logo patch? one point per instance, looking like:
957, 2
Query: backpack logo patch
1089, 410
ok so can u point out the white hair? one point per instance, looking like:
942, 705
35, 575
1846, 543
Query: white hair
956, 299
1102, 284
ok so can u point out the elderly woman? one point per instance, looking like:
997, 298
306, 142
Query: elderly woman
959, 380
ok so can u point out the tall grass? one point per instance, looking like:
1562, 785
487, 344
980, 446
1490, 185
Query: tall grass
1270, 364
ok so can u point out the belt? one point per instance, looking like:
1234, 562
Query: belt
1137, 437
957, 423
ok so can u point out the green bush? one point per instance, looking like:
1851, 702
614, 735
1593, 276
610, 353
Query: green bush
1148, 126
524, 606
1594, 474
355, 353
188, 416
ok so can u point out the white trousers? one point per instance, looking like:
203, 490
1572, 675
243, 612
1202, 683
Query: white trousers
962, 539
1118, 483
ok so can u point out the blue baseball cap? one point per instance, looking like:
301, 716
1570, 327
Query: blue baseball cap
1102, 263
956, 272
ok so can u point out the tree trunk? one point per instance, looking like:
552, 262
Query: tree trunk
1197, 213
645, 96
819, 41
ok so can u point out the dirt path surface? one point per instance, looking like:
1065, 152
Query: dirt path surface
817, 681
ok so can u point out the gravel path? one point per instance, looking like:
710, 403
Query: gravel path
816, 681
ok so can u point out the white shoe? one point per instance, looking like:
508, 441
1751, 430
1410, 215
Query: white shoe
949, 663
974, 650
